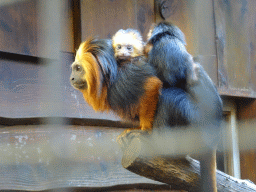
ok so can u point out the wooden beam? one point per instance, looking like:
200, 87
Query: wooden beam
181, 172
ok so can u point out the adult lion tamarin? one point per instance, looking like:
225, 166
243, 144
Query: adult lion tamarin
130, 90
166, 52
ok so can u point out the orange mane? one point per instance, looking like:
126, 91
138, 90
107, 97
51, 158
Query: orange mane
96, 92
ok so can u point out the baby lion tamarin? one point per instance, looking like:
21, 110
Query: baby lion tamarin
128, 45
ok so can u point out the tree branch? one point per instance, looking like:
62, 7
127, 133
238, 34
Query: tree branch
181, 172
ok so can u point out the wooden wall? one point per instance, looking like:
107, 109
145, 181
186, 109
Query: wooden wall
104, 18
212, 29
18, 28
236, 41
23, 77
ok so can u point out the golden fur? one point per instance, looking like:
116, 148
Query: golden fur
96, 93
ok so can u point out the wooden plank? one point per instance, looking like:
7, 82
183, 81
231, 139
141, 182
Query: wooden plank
196, 20
22, 87
18, 28
233, 43
236, 92
145, 16
50, 156
7, 2
103, 18
252, 36
19, 88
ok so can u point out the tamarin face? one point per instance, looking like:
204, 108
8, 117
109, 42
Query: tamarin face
124, 51
77, 79
86, 73
127, 44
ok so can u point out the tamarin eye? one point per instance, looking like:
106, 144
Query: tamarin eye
78, 68
118, 46
129, 47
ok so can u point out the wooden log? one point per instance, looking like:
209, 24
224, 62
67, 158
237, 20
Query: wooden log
181, 172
